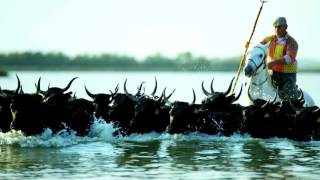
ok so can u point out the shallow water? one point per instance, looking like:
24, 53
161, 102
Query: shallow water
156, 156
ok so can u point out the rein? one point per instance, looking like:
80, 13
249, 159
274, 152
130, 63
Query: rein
257, 66
262, 64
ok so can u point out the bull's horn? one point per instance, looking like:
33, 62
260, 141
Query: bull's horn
273, 101
162, 97
125, 87
166, 98
211, 86
68, 86
204, 90
229, 88
316, 110
238, 95
194, 97
19, 85
265, 104
116, 89
155, 87
139, 89
38, 86
93, 96
114, 93
301, 98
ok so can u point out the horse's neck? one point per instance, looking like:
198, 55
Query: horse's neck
262, 82
262, 79
260, 86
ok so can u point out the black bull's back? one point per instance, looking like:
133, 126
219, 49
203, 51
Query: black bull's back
217, 114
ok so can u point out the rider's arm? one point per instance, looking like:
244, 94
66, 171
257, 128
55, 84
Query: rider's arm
267, 39
290, 56
292, 50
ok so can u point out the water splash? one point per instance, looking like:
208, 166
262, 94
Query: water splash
100, 131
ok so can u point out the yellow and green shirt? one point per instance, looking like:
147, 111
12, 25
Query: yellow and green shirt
286, 47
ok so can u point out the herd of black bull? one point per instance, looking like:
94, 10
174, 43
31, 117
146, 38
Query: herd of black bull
218, 113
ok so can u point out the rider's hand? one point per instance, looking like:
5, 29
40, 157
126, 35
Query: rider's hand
247, 45
271, 64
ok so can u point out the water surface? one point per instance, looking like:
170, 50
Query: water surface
156, 156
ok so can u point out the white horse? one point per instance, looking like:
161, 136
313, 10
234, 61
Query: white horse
260, 84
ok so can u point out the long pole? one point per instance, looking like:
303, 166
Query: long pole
246, 47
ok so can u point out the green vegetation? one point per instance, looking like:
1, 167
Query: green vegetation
111, 62
3, 72
157, 62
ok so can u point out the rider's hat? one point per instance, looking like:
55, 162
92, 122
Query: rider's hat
280, 21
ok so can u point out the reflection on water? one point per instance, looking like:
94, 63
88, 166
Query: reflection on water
34, 162
261, 159
138, 154
165, 157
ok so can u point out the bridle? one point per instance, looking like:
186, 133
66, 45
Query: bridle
262, 64
257, 66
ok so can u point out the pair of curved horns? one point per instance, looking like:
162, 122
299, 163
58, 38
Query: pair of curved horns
140, 87
212, 91
64, 89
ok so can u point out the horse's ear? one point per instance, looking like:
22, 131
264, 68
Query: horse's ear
264, 47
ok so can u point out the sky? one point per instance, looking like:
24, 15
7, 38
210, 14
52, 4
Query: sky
140, 28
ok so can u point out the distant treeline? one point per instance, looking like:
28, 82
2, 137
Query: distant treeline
113, 62
58, 61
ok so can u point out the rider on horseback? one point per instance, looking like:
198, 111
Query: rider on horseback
282, 59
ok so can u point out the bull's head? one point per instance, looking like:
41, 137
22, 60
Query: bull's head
101, 102
182, 116
55, 95
219, 99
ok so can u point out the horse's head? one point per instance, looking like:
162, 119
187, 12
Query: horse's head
255, 59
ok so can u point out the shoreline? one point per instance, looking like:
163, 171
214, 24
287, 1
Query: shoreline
161, 69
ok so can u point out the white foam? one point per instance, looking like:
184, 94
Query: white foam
100, 131
103, 130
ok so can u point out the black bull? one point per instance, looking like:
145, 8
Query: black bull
140, 113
